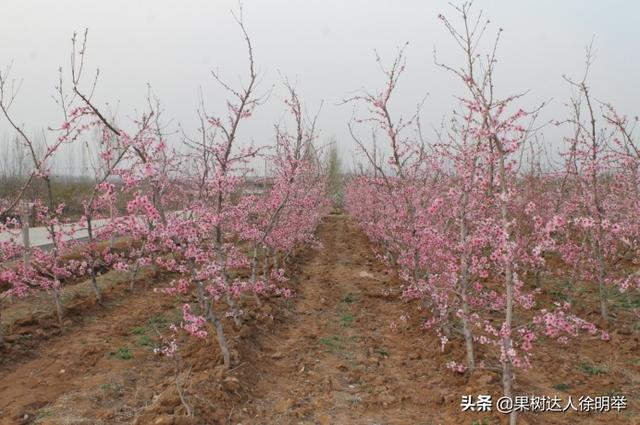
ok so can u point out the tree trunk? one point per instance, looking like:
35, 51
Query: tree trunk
234, 310
183, 399
58, 305
468, 335
507, 344
26, 242
464, 275
602, 286
265, 266
112, 239
256, 298
92, 268
222, 341
538, 280
133, 274
1, 327
94, 285
254, 275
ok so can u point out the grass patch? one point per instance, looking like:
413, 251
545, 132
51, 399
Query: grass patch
106, 387
42, 414
626, 300
123, 353
348, 299
559, 296
592, 369
158, 320
561, 387
333, 342
139, 330
382, 351
145, 341
347, 320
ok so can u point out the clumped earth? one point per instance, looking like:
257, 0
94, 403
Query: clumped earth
342, 351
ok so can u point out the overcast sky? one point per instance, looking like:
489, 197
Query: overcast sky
326, 46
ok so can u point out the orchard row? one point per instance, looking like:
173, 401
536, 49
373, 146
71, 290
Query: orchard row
477, 229
188, 213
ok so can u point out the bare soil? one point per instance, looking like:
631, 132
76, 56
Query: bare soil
330, 355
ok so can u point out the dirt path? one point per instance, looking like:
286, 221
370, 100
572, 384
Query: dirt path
338, 362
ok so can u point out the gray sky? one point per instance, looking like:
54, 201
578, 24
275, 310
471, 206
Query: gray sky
326, 46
